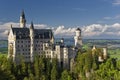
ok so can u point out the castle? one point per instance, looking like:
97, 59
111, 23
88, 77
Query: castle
29, 42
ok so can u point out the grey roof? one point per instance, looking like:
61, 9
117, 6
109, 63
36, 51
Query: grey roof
24, 33
43, 33
21, 33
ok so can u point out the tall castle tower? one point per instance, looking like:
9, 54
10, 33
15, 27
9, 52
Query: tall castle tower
22, 20
65, 58
32, 42
78, 38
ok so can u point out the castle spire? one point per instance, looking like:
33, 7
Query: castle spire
32, 41
23, 15
11, 26
31, 26
22, 20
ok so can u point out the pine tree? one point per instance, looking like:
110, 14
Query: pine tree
66, 75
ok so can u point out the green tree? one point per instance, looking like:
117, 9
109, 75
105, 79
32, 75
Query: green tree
66, 75
54, 73
36, 68
31, 76
23, 67
48, 68
25, 78
107, 70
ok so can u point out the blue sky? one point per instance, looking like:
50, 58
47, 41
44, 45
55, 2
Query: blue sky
60, 12
90, 15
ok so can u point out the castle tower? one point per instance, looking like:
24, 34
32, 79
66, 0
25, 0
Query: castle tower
22, 20
65, 58
62, 40
78, 38
105, 53
58, 51
52, 37
32, 42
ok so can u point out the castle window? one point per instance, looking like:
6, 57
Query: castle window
18, 41
18, 50
21, 41
20, 37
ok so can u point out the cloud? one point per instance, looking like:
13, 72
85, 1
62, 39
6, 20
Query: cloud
61, 31
4, 28
116, 2
89, 31
117, 17
79, 9
107, 18
112, 18
40, 26
102, 31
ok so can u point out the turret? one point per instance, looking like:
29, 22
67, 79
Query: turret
78, 32
31, 30
62, 40
65, 58
105, 53
22, 20
52, 37
78, 38
32, 42
31, 26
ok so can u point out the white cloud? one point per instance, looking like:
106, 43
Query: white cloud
117, 17
64, 32
107, 18
90, 31
40, 26
116, 2
102, 31
112, 18
79, 9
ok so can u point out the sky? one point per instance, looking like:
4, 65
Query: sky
96, 18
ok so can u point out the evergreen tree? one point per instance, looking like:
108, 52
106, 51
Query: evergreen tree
54, 73
36, 68
66, 75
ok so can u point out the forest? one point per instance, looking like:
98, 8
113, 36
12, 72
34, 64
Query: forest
86, 67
